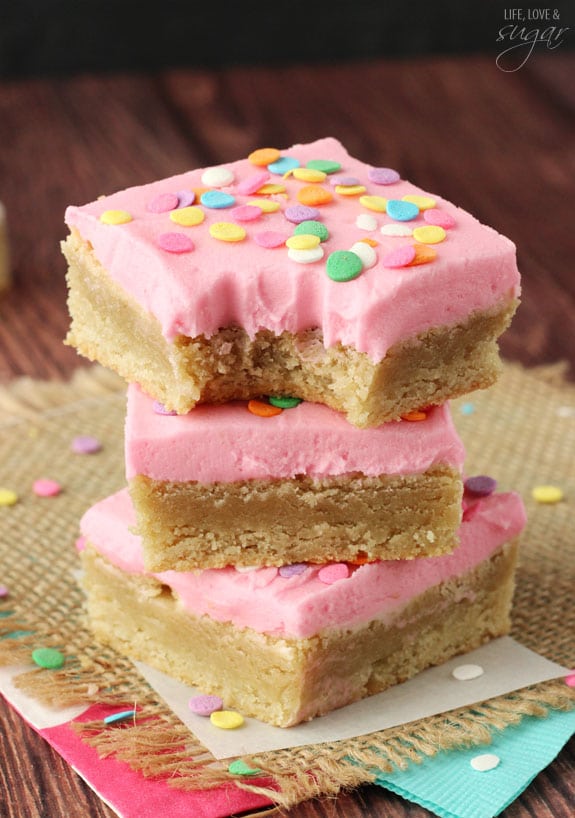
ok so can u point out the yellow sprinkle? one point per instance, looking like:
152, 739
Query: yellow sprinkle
8, 497
377, 203
115, 217
547, 494
187, 216
226, 719
266, 205
430, 234
350, 190
309, 175
227, 231
270, 188
423, 202
303, 241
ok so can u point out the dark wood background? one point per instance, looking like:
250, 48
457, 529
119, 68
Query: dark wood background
499, 144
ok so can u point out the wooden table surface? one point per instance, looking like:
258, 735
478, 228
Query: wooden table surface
498, 144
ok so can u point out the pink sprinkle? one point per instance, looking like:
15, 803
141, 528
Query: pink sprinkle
85, 444
3, 591
253, 183
163, 203
333, 572
246, 213
400, 257
205, 705
185, 198
175, 242
570, 680
80, 543
46, 488
270, 239
439, 218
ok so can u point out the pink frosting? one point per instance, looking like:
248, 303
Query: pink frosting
228, 443
218, 284
302, 605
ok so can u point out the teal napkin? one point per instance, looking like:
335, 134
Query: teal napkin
448, 786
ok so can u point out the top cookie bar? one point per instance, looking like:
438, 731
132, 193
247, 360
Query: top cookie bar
305, 273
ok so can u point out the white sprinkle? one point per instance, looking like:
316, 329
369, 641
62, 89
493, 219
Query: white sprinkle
365, 221
396, 230
366, 253
217, 177
464, 673
566, 411
485, 762
306, 256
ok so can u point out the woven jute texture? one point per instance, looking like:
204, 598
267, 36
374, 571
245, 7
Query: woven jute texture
522, 431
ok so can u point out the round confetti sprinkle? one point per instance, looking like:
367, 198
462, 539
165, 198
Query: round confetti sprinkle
227, 231
343, 265
383, 176
294, 570
160, 409
569, 680
226, 719
431, 234
467, 408
480, 486
122, 715
303, 241
80, 543
253, 183
270, 239
345, 181
175, 242
306, 256
300, 213
284, 401
439, 218
365, 221
547, 494
4, 592
314, 195
401, 211
46, 488
397, 230
48, 658
309, 175
401, 257
333, 573
324, 165
217, 177
115, 217
366, 253
264, 156
8, 497
188, 216
485, 762
266, 205
423, 254
270, 189
205, 705
422, 202
465, 673
415, 417
246, 213
371, 242
185, 198
163, 203
566, 411
350, 190
86, 444
263, 409
377, 203
313, 228
239, 767
283, 165
217, 199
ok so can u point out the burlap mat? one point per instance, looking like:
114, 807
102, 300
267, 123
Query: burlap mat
522, 432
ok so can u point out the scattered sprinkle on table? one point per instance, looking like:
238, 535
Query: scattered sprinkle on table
467, 408
204, 705
480, 485
86, 444
46, 488
8, 497
570, 679
465, 673
485, 762
123, 715
226, 719
49, 658
547, 494
239, 767
566, 411
4, 592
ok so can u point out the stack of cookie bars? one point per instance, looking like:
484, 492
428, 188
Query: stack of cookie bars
295, 533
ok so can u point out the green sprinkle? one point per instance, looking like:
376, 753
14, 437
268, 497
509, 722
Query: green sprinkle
16, 634
284, 401
343, 265
49, 658
312, 228
239, 767
325, 165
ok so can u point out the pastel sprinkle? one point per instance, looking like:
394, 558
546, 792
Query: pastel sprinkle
306, 256
400, 257
377, 203
345, 181
284, 401
569, 680
227, 231
217, 177
325, 165
293, 570
283, 165
397, 230
480, 486
267, 205
366, 253
343, 265
365, 221
467, 408
383, 176
565, 411
430, 234
115, 217
313, 228
253, 183
350, 190
270, 239
217, 199
4, 592
303, 241
402, 211
465, 673
300, 213
423, 254
547, 494
46, 488
485, 762
416, 416
226, 719
163, 203
187, 216
422, 202
160, 409
333, 573
8, 497
309, 175
48, 658
314, 195
175, 242
270, 189
439, 218
264, 156
86, 444
122, 715
80, 543
239, 767
246, 213
263, 409
185, 198
205, 705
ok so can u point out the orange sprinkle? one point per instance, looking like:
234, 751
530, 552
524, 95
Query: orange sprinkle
371, 242
198, 191
264, 156
360, 558
418, 414
262, 409
314, 195
423, 255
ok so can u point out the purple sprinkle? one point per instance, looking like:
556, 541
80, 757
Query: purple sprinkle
300, 213
480, 486
205, 705
346, 181
292, 570
186, 198
160, 409
85, 444
383, 176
